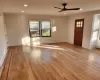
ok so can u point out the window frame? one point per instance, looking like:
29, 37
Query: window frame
30, 31
40, 28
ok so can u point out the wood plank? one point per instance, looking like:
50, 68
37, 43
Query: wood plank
51, 62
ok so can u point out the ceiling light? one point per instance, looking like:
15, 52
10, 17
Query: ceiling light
65, 13
22, 11
25, 5
81, 9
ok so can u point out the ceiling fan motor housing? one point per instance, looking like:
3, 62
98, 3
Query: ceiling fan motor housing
64, 4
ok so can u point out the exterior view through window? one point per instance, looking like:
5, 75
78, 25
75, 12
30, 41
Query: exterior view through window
46, 30
40, 28
34, 28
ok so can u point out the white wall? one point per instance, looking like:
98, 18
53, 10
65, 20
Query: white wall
3, 42
18, 28
88, 19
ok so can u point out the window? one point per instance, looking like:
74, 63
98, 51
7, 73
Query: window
40, 28
79, 24
46, 30
34, 28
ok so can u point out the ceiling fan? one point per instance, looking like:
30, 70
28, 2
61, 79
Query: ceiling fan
66, 9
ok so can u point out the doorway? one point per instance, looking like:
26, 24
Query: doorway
78, 33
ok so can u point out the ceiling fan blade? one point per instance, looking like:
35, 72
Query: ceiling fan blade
60, 11
57, 7
74, 9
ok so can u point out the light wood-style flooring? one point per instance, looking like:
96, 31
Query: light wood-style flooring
51, 62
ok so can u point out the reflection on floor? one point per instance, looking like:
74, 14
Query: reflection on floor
97, 50
51, 62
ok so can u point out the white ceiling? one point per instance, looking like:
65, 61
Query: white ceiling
45, 7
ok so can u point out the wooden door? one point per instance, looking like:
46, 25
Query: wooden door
78, 33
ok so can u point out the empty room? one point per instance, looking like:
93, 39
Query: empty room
49, 40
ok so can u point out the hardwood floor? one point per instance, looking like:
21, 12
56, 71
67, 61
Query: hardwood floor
97, 50
51, 62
